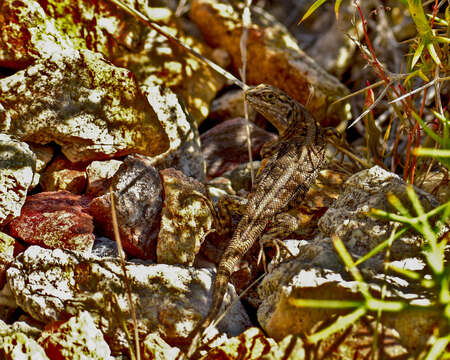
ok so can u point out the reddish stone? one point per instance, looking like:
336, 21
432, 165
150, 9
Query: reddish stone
55, 220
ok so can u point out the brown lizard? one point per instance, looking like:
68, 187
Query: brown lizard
295, 160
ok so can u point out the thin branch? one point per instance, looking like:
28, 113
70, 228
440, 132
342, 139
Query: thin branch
124, 269
246, 22
378, 83
427, 85
437, 94
375, 103
432, 82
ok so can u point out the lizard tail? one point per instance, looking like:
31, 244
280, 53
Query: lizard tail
220, 287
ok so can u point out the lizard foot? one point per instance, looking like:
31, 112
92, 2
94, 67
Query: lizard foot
276, 243
284, 224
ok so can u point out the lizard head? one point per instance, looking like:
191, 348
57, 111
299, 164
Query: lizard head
274, 104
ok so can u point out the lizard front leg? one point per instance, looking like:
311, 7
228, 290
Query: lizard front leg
226, 206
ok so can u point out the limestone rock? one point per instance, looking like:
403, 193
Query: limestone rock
33, 30
155, 348
348, 216
55, 220
309, 277
78, 339
161, 62
294, 279
273, 57
138, 201
225, 145
99, 174
23, 325
17, 166
250, 345
328, 186
44, 154
413, 324
17, 345
357, 342
290, 348
186, 219
7, 301
6, 244
49, 285
354, 343
6, 255
62, 174
77, 99
333, 49
184, 151
27, 34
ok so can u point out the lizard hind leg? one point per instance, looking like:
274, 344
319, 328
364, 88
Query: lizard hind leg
284, 224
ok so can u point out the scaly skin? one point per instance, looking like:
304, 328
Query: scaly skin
295, 161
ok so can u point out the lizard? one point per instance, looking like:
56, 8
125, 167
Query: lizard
294, 161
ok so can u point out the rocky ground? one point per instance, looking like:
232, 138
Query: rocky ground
91, 99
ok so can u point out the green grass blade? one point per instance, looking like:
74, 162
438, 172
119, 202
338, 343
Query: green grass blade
383, 305
346, 258
438, 348
417, 53
414, 200
405, 272
391, 217
433, 53
395, 202
325, 304
429, 132
337, 5
424, 30
380, 247
443, 156
442, 39
433, 152
341, 323
312, 8
420, 19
